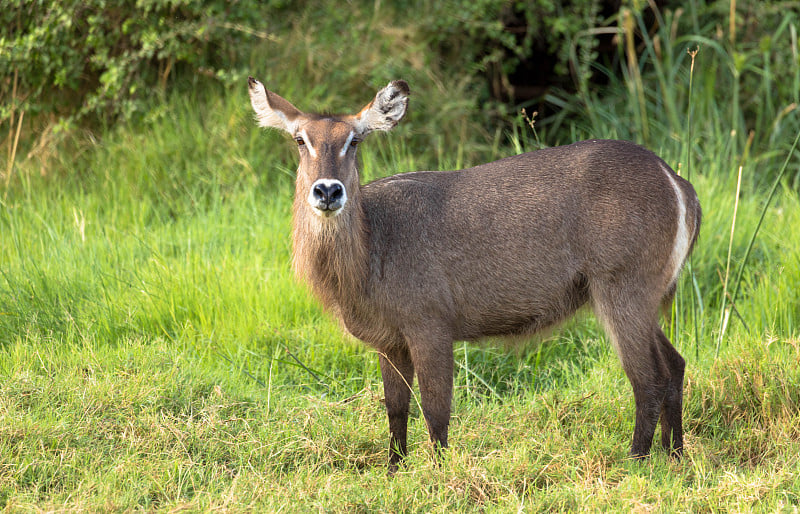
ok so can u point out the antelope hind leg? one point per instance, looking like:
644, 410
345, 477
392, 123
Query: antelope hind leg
671, 409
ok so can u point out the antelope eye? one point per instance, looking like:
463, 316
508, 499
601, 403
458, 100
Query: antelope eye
299, 141
354, 142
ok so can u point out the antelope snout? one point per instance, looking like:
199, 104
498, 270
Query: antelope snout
327, 197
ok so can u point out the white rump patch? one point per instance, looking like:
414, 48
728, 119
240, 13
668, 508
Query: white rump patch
681, 245
311, 150
347, 144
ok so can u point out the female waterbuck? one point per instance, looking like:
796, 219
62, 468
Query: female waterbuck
413, 262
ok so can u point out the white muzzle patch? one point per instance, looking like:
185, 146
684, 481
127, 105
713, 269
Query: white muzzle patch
327, 197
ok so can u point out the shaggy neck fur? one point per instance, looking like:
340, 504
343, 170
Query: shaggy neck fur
331, 254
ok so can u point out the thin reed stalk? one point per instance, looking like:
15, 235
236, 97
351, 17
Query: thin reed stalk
725, 312
690, 135
636, 85
740, 272
13, 137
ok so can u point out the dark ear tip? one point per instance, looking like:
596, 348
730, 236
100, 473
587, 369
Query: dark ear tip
402, 85
251, 81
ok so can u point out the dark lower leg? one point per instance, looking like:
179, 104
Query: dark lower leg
434, 366
671, 424
671, 410
650, 374
648, 403
398, 375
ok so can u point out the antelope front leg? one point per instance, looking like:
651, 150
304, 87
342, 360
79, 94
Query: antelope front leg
397, 371
433, 360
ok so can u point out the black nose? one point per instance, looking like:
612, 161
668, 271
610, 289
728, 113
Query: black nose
328, 195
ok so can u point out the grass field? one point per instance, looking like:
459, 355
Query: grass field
156, 353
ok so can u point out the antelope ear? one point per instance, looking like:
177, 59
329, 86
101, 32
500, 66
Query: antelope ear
272, 110
388, 108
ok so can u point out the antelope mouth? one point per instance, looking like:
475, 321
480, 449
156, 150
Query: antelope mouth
327, 212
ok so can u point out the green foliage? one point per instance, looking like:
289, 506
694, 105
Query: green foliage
502, 34
474, 61
744, 88
103, 58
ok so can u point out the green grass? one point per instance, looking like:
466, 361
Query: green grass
156, 352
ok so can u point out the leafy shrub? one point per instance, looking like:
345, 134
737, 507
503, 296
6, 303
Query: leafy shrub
100, 58
578, 62
519, 46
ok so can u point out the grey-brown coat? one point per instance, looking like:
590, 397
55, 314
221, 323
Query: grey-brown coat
413, 262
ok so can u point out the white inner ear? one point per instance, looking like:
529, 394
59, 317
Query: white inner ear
347, 144
266, 115
385, 111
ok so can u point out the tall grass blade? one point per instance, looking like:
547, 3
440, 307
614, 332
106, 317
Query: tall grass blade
636, 86
243, 371
724, 312
689, 123
480, 379
738, 281
306, 368
466, 367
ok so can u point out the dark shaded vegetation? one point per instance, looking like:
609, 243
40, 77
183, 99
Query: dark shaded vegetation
90, 64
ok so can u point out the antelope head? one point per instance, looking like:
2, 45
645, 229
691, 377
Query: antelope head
328, 172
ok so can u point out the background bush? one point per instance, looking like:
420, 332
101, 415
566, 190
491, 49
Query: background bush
477, 62
99, 58
79, 58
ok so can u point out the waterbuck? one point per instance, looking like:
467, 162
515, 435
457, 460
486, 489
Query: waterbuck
413, 262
